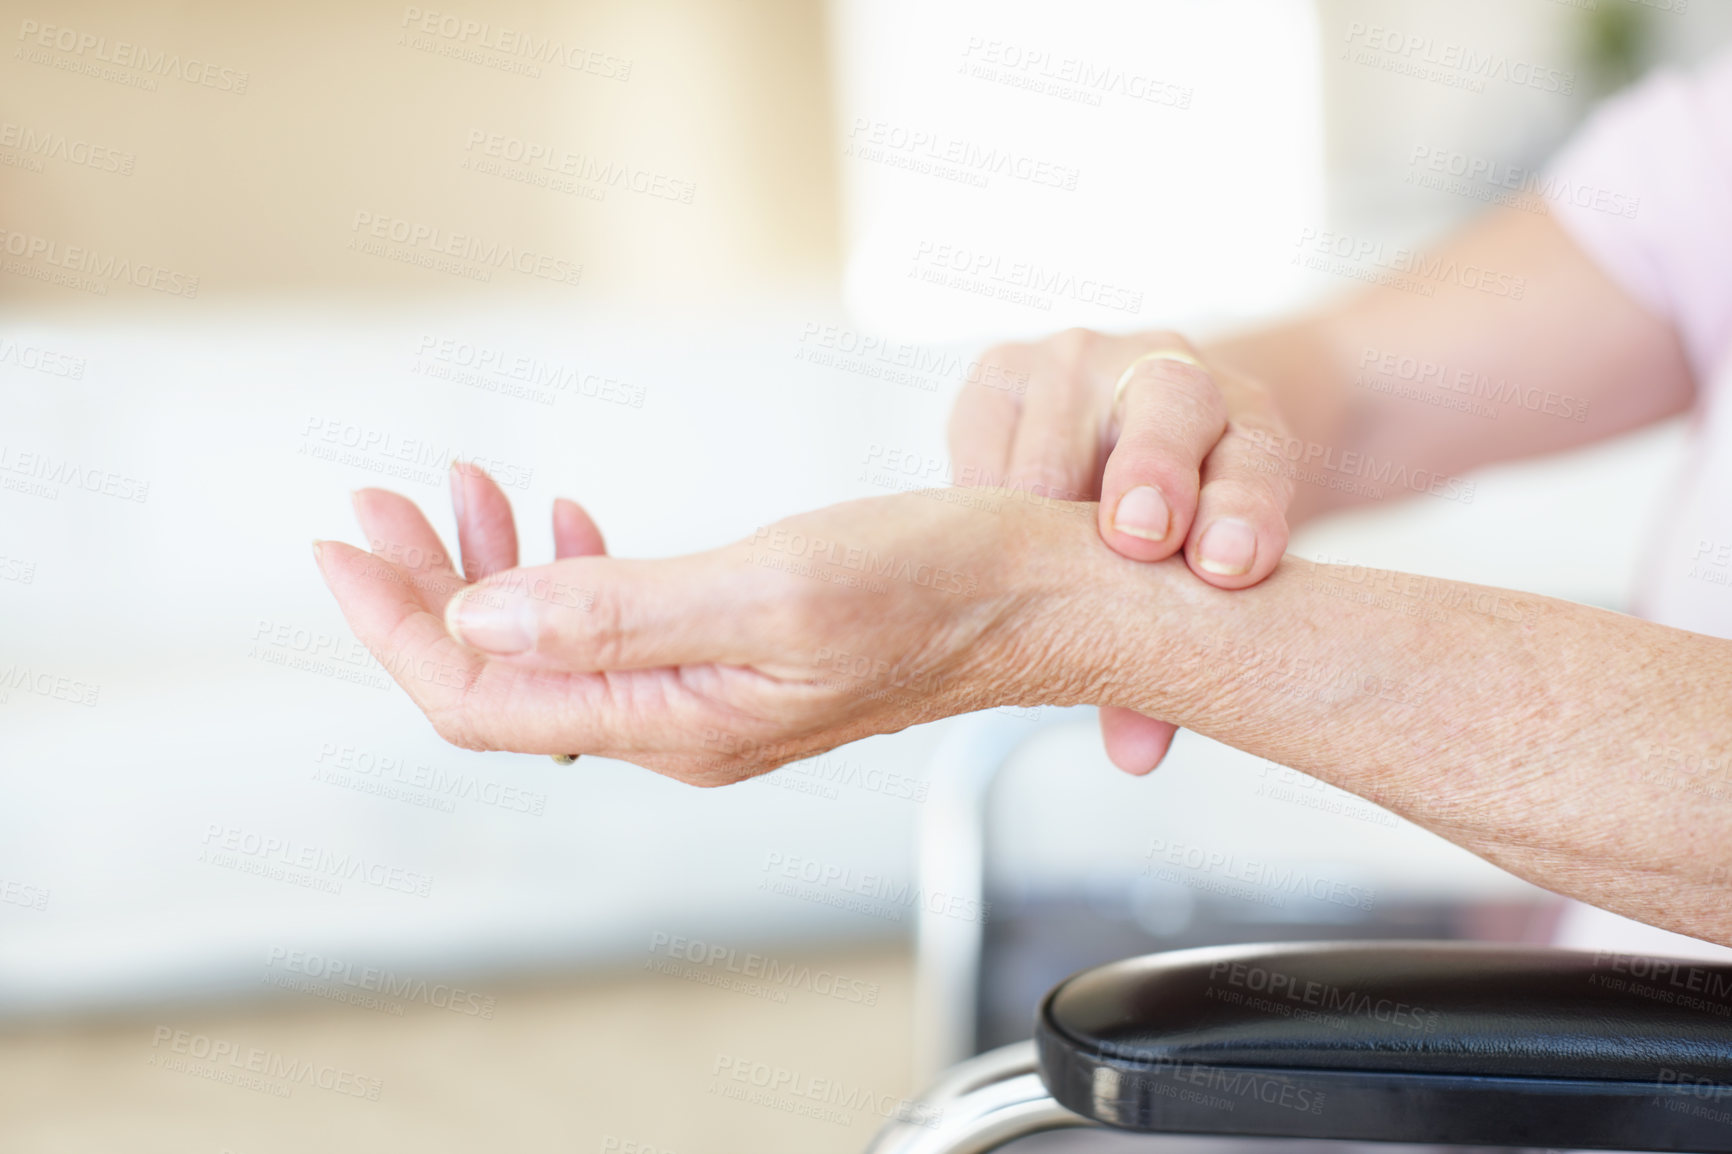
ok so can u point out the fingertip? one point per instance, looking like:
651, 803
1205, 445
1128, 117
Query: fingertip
458, 482
1140, 524
1232, 553
575, 533
1135, 743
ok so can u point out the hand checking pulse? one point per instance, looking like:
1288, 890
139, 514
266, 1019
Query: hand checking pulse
1174, 448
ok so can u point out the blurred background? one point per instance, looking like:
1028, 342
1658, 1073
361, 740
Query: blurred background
689, 262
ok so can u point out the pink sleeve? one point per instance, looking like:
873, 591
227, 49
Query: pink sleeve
1646, 189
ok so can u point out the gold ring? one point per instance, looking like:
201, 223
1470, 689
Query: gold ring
565, 758
1179, 355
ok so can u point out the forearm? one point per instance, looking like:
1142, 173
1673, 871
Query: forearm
1535, 351
1528, 730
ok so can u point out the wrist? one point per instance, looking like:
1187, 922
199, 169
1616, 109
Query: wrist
1097, 628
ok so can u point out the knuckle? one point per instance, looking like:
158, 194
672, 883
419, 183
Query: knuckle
1071, 348
800, 607
1181, 417
602, 642
1167, 339
1246, 498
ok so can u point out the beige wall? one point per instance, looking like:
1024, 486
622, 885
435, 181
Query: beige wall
248, 170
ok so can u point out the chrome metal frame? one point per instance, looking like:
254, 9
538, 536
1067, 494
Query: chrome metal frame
982, 1104
951, 864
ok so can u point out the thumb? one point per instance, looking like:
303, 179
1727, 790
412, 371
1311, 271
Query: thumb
590, 614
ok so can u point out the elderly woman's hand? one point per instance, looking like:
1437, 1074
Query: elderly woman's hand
1180, 462
862, 618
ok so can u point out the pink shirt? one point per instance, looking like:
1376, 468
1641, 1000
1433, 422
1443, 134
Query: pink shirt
1646, 189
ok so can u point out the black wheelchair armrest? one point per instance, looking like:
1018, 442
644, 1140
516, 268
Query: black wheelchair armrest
1402, 1042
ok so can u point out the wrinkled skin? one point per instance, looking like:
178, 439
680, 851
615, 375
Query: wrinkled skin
862, 618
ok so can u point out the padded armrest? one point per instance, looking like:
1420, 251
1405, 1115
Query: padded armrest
1400, 1041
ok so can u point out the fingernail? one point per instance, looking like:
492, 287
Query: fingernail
318, 552
1143, 512
494, 620
457, 490
1228, 547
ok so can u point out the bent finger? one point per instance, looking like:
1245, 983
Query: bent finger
1056, 450
984, 420
1241, 527
1172, 415
486, 533
574, 532
398, 535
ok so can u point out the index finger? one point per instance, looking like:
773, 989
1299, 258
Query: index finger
983, 421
